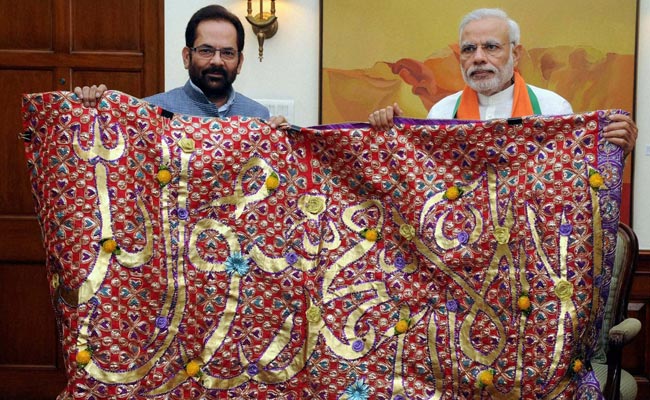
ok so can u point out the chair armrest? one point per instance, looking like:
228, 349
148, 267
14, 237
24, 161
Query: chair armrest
625, 331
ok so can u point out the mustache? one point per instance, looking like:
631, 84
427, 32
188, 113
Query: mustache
471, 70
214, 70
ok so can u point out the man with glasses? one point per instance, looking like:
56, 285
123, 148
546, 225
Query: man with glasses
489, 52
214, 40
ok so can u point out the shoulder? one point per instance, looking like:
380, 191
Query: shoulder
244, 105
161, 99
444, 109
550, 102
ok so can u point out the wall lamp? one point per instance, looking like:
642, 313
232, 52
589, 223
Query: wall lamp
265, 24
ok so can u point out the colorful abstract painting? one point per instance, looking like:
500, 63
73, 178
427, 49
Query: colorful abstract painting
213, 258
375, 54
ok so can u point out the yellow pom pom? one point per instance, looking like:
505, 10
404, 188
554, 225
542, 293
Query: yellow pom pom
596, 180
524, 303
83, 357
164, 176
486, 378
272, 182
401, 326
372, 235
452, 193
193, 368
577, 366
109, 245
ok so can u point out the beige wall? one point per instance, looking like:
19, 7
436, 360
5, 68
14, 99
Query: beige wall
290, 66
641, 185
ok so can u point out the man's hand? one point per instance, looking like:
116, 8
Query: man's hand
622, 131
90, 94
278, 121
383, 119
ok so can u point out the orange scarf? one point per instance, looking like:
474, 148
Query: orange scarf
521, 105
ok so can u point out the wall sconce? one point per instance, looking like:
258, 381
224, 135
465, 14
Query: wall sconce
264, 24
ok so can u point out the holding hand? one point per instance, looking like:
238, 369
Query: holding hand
383, 119
622, 131
90, 94
278, 121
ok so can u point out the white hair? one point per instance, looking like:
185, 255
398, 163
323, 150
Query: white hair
513, 27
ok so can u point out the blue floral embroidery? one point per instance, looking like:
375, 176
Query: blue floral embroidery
359, 390
236, 263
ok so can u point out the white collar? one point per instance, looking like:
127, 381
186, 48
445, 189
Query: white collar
506, 95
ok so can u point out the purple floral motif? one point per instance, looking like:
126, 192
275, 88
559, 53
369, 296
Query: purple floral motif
182, 213
291, 258
452, 306
162, 322
566, 229
463, 237
400, 263
358, 345
253, 369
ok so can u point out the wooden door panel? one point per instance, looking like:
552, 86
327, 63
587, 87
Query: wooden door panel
15, 34
54, 45
127, 82
106, 25
25, 244
30, 383
15, 192
23, 289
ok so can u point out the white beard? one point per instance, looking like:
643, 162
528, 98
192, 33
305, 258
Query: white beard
495, 84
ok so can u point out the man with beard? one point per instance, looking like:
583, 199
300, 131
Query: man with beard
489, 52
214, 40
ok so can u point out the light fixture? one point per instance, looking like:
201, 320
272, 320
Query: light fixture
265, 24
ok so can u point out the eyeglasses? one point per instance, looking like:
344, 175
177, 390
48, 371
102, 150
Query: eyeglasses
490, 48
227, 54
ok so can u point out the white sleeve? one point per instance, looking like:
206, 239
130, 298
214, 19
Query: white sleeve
551, 103
444, 109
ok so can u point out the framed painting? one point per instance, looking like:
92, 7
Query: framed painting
374, 54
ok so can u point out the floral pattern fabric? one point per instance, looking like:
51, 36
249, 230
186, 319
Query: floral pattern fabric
213, 258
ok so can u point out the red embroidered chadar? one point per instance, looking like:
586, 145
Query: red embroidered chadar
219, 258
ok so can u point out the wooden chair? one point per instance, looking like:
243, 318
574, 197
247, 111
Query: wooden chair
617, 330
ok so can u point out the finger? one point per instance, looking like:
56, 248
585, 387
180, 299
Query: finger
77, 90
622, 138
85, 96
278, 120
398, 111
383, 119
375, 120
623, 143
94, 95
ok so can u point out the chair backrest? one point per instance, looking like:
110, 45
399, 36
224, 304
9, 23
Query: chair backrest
628, 247
627, 250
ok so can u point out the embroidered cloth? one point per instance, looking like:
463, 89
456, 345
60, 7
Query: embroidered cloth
210, 258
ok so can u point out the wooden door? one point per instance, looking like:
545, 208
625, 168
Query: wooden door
50, 45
